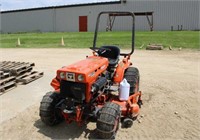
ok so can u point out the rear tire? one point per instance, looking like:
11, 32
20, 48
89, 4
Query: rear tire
48, 113
133, 78
108, 121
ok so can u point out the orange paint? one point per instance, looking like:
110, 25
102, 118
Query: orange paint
122, 66
90, 68
55, 83
132, 101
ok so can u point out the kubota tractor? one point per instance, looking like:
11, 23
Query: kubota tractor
101, 87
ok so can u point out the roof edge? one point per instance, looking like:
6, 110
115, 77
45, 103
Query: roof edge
62, 6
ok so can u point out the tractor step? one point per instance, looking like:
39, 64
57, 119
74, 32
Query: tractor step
29, 77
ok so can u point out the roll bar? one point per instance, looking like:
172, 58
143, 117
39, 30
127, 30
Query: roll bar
116, 13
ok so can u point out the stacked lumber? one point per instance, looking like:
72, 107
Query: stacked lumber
154, 47
7, 82
13, 73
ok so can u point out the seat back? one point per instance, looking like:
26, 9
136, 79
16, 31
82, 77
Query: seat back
112, 54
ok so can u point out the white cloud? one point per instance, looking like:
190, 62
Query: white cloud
23, 4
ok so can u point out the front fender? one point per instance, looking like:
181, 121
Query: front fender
55, 83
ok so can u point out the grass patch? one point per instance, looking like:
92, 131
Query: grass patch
184, 39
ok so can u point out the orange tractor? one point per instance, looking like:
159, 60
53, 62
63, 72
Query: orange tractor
101, 87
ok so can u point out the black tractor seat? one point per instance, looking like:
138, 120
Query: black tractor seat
110, 52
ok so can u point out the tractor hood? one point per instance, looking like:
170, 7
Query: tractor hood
84, 71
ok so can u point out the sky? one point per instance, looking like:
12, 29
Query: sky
6, 5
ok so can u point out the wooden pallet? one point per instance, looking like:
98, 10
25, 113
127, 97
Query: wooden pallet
21, 70
7, 87
1, 73
4, 63
7, 80
7, 84
16, 68
4, 75
13, 73
29, 77
6, 66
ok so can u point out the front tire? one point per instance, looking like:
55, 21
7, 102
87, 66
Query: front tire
108, 121
49, 114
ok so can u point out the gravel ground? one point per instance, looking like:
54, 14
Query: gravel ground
169, 82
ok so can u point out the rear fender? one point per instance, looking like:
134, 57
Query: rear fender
120, 70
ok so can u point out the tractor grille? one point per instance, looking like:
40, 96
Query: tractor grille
73, 90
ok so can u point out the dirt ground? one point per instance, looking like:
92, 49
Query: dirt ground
169, 82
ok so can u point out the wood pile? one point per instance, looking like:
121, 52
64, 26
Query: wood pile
154, 47
14, 73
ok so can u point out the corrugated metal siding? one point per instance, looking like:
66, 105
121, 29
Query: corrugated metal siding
166, 14
27, 21
174, 13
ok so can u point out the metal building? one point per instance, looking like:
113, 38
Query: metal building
150, 15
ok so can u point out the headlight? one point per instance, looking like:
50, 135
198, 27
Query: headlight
80, 77
62, 75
